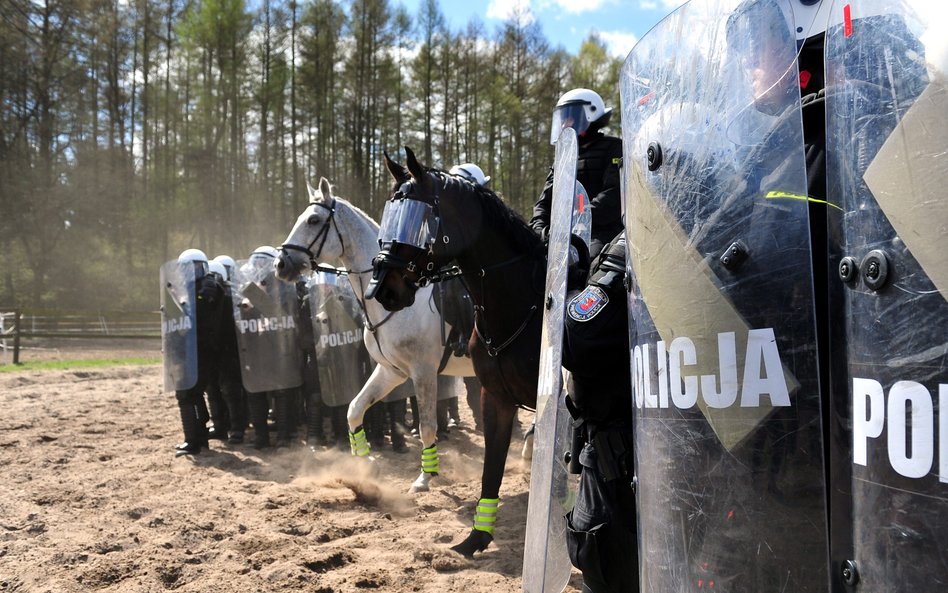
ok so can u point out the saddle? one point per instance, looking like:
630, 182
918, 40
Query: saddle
456, 307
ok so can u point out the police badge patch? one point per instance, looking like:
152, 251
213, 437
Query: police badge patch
587, 304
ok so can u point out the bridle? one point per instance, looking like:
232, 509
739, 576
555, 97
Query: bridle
321, 235
427, 273
387, 259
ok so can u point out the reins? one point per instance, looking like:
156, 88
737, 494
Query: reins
321, 236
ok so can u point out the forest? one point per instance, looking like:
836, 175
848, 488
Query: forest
133, 129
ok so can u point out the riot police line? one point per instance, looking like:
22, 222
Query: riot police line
784, 165
271, 357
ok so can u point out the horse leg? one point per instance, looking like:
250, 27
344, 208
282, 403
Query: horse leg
498, 424
427, 394
380, 383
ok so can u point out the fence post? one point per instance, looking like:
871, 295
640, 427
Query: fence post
16, 336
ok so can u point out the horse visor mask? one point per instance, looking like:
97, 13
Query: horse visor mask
408, 222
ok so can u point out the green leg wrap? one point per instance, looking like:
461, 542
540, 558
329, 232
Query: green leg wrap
429, 460
485, 516
358, 444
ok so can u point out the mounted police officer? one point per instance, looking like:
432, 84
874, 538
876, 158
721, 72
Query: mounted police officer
208, 306
597, 167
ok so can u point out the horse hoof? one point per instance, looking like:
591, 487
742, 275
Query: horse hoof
476, 541
420, 484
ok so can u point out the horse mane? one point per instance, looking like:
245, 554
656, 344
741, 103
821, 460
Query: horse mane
497, 214
351, 205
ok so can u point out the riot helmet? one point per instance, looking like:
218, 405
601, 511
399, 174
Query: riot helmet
216, 267
580, 109
229, 265
262, 262
197, 258
264, 256
470, 172
763, 52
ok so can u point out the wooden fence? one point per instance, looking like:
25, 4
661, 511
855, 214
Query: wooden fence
21, 325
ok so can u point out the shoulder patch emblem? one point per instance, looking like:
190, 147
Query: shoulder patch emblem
587, 304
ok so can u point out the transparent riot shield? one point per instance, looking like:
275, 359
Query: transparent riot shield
337, 329
726, 397
178, 325
887, 169
266, 313
546, 565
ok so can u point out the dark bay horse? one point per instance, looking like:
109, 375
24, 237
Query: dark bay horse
503, 264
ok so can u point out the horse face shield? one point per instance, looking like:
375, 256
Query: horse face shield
408, 230
408, 222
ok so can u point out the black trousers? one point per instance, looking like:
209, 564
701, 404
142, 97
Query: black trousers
601, 530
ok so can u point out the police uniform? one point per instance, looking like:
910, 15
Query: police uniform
597, 168
194, 414
602, 525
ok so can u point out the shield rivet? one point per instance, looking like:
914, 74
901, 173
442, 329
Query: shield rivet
850, 574
549, 302
848, 269
875, 269
653, 154
734, 256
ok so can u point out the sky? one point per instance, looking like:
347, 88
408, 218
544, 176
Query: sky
566, 23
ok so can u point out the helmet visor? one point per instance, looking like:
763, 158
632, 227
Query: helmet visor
409, 222
571, 115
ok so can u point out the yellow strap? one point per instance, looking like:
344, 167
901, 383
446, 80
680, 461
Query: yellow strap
775, 195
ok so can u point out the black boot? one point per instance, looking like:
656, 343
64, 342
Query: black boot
413, 428
193, 440
282, 403
374, 424
442, 412
219, 414
396, 423
315, 413
454, 415
236, 400
259, 409
340, 426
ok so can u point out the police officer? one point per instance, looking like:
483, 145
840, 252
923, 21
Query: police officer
312, 393
229, 380
597, 166
210, 300
602, 524
282, 400
219, 412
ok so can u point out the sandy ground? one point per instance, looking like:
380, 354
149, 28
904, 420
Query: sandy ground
92, 499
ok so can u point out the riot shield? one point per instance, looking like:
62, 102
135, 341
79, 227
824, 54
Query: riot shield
887, 169
266, 314
546, 565
178, 325
726, 396
337, 330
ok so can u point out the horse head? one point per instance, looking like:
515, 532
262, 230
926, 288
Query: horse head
419, 233
314, 237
